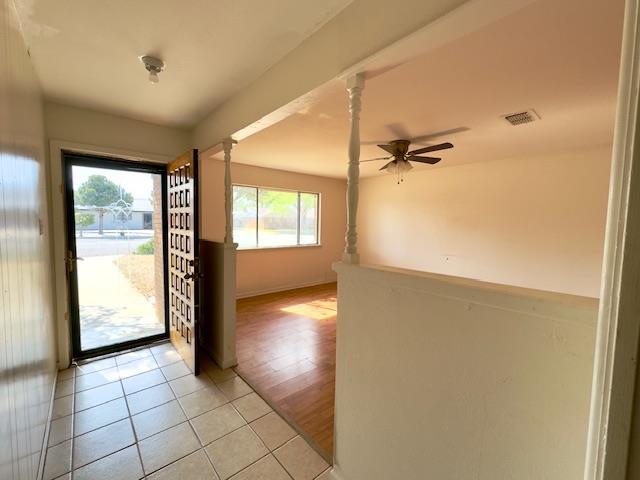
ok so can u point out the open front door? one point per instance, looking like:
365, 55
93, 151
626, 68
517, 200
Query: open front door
183, 259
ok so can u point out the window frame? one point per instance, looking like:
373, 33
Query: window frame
277, 189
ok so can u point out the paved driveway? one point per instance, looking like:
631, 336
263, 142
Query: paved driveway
111, 242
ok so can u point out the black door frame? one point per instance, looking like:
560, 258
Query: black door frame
70, 159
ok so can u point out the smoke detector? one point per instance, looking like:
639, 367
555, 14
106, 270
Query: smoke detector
154, 66
521, 118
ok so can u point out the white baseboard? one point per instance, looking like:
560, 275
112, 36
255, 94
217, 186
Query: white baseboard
282, 288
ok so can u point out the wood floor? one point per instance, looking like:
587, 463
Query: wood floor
286, 347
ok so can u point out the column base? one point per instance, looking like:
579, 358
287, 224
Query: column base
352, 258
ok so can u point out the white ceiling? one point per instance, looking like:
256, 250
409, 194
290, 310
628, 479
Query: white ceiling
559, 57
86, 52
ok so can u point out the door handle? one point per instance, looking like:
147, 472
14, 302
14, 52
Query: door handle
195, 267
193, 275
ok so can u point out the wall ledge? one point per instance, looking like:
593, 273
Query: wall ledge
535, 302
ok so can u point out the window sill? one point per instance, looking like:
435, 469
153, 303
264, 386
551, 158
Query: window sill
284, 247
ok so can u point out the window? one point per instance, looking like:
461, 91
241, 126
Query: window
147, 221
264, 217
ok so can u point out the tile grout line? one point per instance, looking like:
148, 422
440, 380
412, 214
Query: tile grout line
115, 451
251, 464
280, 463
123, 391
276, 448
135, 434
104, 403
247, 424
152, 355
45, 441
73, 407
101, 458
305, 436
125, 397
193, 430
187, 419
114, 355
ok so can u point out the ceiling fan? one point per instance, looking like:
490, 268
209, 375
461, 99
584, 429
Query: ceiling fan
399, 151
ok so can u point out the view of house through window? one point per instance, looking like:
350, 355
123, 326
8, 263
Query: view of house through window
264, 217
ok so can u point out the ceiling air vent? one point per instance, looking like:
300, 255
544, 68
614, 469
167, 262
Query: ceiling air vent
522, 117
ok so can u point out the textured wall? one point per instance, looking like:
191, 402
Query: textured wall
455, 379
534, 222
27, 346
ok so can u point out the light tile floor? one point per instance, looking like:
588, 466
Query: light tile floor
143, 415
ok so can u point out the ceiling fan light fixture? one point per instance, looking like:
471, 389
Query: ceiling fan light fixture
154, 66
399, 167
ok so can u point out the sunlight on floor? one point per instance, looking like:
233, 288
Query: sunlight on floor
316, 309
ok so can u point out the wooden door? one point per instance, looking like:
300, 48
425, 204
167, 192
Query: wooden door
183, 261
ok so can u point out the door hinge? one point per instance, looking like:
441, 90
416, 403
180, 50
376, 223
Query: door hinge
70, 260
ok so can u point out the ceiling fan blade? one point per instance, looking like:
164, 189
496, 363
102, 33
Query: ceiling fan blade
429, 160
387, 165
431, 148
388, 148
399, 130
443, 133
374, 159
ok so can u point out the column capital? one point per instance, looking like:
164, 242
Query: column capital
228, 143
355, 82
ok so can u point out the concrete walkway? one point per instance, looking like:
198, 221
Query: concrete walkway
111, 309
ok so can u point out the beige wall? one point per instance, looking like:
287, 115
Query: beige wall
27, 342
533, 222
260, 271
103, 130
457, 379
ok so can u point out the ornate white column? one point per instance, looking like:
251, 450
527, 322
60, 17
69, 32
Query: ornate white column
355, 85
227, 145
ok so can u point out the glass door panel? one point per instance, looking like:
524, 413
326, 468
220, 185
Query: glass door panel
116, 253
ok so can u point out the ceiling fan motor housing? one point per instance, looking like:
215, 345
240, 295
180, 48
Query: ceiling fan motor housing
401, 147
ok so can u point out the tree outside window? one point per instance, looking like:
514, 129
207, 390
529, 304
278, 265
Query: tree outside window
100, 192
265, 217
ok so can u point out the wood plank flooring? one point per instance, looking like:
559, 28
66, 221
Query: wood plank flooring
286, 347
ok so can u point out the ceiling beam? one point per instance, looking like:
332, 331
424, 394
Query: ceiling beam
368, 35
361, 29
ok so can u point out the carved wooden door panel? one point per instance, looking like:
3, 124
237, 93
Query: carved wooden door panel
183, 261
